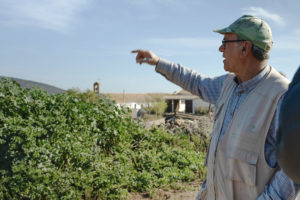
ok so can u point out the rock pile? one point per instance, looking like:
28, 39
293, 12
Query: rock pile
191, 124
199, 126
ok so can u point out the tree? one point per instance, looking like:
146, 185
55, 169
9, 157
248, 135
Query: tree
87, 96
160, 107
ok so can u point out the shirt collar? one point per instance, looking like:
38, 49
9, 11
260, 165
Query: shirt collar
251, 83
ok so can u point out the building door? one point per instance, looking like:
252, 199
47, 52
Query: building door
173, 105
169, 108
188, 106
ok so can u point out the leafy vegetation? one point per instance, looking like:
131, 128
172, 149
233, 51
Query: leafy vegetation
158, 107
63, 147
87, 96
203, 110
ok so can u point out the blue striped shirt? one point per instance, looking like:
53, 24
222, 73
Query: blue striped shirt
209, 89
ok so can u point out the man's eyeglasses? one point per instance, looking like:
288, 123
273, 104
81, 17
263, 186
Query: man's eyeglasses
226, 41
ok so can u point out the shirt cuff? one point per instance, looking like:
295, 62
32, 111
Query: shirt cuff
163, 66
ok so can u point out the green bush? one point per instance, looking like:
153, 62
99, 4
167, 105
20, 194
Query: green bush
158, 107
61, 147
203, 110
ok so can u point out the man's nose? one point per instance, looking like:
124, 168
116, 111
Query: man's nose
221, 48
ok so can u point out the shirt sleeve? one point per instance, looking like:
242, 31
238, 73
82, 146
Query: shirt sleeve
281, 186
208, 89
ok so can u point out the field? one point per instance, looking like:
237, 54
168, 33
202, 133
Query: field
79, 146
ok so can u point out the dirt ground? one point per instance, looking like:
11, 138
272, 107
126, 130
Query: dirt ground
160, 194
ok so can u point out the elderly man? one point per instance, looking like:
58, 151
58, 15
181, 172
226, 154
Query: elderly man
241, 160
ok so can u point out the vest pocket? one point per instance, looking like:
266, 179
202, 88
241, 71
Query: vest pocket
242, 166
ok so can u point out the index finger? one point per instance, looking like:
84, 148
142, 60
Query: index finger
136, 51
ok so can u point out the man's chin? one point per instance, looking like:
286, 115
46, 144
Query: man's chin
226, 68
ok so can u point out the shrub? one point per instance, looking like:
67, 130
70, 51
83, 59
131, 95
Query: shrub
62, 147
203, 110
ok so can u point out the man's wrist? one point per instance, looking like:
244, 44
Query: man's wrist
157, 61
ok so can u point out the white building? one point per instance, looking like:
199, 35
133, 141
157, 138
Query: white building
135, 100
183, 101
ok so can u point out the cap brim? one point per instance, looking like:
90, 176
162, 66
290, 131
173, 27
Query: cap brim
223, 30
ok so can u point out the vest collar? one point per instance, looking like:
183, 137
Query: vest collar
252, 83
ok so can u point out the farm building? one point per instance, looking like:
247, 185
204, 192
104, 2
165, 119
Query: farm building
134, 100
183, 101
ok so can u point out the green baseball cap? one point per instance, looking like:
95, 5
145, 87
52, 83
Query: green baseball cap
253, 29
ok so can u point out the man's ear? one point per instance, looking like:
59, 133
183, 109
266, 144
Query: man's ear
246, 49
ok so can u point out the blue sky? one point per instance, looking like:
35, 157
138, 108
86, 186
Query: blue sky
73, 43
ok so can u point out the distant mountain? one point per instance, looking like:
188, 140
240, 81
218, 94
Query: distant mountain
32, 84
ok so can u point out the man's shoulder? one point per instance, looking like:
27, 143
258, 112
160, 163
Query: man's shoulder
278, 79
274, 86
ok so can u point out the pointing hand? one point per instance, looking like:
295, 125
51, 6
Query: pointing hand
146, 56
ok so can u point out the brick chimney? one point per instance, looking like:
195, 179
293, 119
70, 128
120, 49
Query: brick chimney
97, 87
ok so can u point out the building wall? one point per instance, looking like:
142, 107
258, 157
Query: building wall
181, 105
134, 105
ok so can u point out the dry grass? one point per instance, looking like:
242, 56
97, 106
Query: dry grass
180, 191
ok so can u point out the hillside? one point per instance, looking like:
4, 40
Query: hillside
32, 84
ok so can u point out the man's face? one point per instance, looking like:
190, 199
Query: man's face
231, 53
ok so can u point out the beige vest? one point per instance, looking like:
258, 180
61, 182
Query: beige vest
298, 196
237, 168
